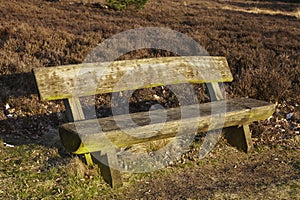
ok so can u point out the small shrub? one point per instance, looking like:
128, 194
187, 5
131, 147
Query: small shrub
122, 4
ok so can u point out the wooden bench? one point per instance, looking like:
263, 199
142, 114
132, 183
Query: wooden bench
71, 82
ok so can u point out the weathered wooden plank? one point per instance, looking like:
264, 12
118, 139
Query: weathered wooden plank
74, 110
96, 78
110, 175
215, 91
104, 132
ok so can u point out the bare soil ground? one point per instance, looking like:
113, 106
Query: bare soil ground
261, 41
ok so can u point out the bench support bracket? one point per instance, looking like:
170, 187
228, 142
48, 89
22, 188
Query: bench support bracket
110, 175
239, 137
88, 159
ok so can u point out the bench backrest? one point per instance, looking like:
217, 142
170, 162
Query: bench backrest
73, 81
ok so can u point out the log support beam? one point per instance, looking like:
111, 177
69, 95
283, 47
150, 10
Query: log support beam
107, 162
239, 137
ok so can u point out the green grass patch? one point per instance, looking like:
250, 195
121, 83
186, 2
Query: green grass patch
36, 172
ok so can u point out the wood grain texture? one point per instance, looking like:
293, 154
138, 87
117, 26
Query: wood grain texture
104, 132
110, 175
64, 82
74, 110
215, 91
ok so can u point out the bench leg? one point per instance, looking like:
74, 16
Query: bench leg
110, 175
239, 137
88, 159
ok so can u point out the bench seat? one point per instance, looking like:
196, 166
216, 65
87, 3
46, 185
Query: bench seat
96, 132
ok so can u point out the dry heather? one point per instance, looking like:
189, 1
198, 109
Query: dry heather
262, 46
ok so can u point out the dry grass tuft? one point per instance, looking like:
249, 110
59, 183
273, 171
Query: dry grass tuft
256, 10
77, 168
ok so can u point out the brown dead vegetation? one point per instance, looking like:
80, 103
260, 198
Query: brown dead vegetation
262, 49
